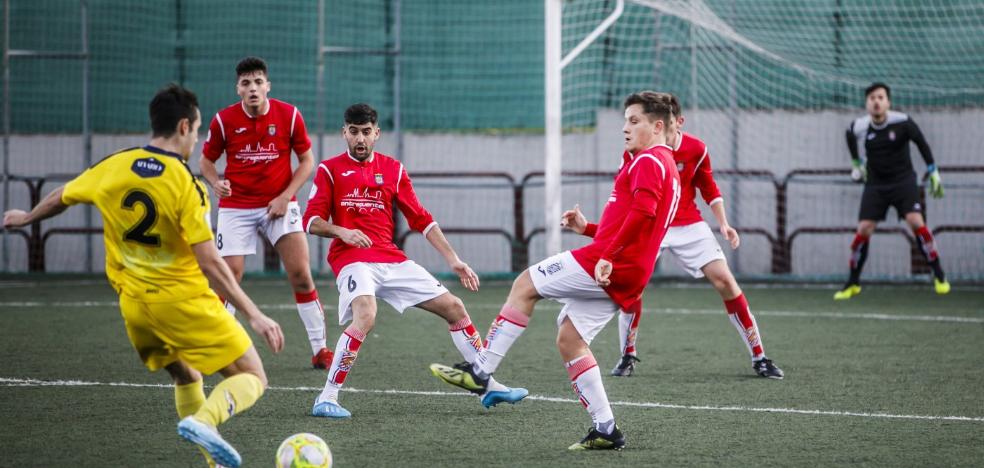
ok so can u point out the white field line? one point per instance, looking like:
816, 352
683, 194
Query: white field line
15, 382
668, 311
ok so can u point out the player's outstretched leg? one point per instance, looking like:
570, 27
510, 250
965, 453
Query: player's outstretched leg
511, 322
927, 245
859, 253
346, 351
466, 339
628, 331
476, 377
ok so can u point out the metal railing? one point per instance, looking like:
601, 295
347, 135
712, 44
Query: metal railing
781, 240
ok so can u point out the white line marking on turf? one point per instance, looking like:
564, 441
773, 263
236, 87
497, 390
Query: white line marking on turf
15, 382
667, 311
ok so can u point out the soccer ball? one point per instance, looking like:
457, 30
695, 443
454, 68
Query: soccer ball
303, 451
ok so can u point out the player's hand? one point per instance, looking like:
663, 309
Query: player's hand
277, 207
858, 172
14, 218
574, 220
603, 269
222, 188
730, 235
355, 238
935, 181
269, 330
468, 277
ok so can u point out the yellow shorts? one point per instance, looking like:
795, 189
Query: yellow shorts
198, 331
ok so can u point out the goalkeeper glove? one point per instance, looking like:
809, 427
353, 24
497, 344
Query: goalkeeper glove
935, 182
858, 171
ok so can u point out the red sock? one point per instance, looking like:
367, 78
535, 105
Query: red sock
741, 317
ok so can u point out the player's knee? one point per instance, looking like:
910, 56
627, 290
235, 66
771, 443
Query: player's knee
455, 309
300, 280
523, 288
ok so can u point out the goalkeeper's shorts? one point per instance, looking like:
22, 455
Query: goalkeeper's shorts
877, 198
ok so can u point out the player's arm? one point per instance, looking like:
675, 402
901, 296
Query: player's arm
278, 206
435, 236
709, 191
211, 152
421, 221
932, 173
575, 221
858, 171
52, 205
646, 181
318, 213
221, 279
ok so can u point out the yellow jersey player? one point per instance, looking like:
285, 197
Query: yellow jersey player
161, 260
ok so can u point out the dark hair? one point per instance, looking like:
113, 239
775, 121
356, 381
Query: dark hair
361, 114
171, 104
675, 105
878, 84
656, 106
249, 65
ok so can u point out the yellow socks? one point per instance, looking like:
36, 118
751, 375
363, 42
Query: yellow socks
231, 396
188, 399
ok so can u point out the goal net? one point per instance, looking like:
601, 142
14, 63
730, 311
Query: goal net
771, 87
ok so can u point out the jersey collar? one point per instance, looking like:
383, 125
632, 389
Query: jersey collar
156, 150
368, 160
242, 105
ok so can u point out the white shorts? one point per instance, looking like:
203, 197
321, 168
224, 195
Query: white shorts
693, 246
562, 279
401, 285
238, 227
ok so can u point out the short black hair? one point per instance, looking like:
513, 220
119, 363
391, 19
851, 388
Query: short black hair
171, 104
361, 114
876, 85
249, 65
656, 106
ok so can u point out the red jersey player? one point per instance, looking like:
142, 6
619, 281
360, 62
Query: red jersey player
352, 201
696, 251
595, 281
257, 136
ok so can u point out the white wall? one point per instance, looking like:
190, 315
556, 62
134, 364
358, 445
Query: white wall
778, 141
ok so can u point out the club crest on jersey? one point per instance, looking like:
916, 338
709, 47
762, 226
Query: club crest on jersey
379, 179
147, 167
272, 129
679, 167
891, 135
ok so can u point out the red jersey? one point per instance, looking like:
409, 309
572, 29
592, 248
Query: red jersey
258, 151
633, 223
360, 195
694, 166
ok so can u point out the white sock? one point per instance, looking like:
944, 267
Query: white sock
346, 351
624, 329
314, 321
465, 338
504, 331
586, 382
